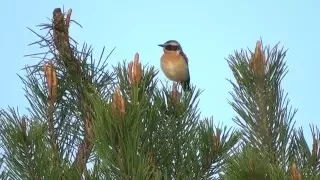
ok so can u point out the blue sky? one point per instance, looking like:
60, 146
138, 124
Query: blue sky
208, 31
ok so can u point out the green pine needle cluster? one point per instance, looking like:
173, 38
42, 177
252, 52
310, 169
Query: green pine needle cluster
95, 121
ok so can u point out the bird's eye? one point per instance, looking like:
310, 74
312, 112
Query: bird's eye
172, 48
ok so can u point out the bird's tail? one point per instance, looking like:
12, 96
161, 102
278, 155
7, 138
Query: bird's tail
186, 85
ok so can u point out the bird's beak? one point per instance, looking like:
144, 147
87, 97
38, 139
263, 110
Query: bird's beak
161, 45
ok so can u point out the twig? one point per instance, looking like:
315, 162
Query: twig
51, 130
51, 77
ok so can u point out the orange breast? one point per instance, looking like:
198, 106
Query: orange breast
174, 67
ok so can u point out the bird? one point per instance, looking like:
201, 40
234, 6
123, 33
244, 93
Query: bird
174, 63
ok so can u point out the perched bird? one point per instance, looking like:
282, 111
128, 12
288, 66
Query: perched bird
174, 63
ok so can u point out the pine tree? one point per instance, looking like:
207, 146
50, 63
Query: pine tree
87, 120
271, 148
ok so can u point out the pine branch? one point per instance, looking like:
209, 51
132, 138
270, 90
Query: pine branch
73, 66
259, 101
264, 115
305, 158
216, 145
77, 74
24, 145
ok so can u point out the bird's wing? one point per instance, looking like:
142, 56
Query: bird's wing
184, 57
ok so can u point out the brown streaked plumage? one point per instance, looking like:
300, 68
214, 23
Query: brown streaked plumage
174, 63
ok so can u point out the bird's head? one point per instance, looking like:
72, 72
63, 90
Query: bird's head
171, 46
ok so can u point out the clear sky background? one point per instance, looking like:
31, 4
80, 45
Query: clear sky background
208, 31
